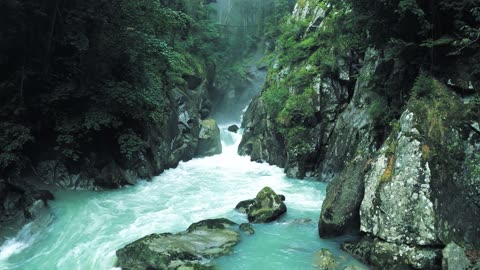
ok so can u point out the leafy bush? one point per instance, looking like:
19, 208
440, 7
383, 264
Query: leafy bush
13, 138
130, 144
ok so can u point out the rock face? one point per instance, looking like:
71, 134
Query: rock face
416, 199
397, 206
402, 170
260, 141
266, 207
351, 139
209, 142
185, 250
20, 204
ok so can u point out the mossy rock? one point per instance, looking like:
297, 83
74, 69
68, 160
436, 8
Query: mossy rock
268, 207
186, 250
211, 224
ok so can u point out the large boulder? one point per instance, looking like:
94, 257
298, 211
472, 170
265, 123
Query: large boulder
184, 250
209, 142
398, 206
266, 207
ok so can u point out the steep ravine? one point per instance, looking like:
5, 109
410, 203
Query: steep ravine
409, 186
90, 226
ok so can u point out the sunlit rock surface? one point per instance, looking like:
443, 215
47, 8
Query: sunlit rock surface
185, 250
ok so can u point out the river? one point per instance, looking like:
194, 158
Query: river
88, 227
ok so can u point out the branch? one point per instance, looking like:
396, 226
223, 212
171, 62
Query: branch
473, 41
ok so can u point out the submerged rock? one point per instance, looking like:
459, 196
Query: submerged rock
209, 142
247, 228
300, 221
233, 128
186, 250
266, 207
324, 260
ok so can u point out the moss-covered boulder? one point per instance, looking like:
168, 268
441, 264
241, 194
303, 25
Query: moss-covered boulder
209, 143
266, 207
185, 250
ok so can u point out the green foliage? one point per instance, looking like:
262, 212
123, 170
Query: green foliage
302, 78
473, 164
424, 86
13, 138
130, 144
378, 110
439, 109
298, 107
274, 99
98, 70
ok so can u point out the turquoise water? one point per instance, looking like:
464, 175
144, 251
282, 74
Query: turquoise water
88, 227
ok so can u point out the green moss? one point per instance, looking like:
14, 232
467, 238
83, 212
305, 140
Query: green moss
440, 110
298, 107
274, 99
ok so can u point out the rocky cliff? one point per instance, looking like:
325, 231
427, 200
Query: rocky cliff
397, 143
110, 95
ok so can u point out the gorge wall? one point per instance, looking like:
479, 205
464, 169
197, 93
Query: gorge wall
389, 117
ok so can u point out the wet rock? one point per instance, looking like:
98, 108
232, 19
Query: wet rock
209, 142
397, 206
300, 221
244, 206
210, 224
267, 207
186, 250
233, 128
352, 139
282, 197
324, 260
22, 203
259, 140
247, 228
381, 254
454, 258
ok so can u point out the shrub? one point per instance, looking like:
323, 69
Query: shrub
274, 99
